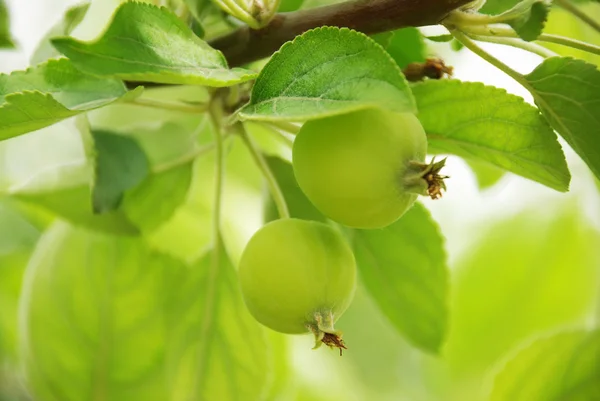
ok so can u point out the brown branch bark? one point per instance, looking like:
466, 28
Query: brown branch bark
368, 16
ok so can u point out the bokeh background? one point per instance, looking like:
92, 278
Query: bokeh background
524, 259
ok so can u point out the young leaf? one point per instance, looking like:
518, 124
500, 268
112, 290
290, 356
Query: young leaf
349, 72
486, 123
48, 93
147, 43
5, 38
528, 18
120, 165
298, 204
221, 351
403, 266
97, 318
565, 366
567, 91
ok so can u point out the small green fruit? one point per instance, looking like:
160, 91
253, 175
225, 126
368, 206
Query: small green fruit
364, 169
298, 276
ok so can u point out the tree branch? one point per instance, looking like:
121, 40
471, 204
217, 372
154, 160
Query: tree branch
368, 16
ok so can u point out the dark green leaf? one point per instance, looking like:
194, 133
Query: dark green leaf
221, 350
565, 366
120, 165
48, 93
298, 204
567, 91
487, 124
5, 37
528, 18
403, 266
349, 72
72, 17
406, 46
147, 43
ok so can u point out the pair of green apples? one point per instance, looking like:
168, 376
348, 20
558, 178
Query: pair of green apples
363, 170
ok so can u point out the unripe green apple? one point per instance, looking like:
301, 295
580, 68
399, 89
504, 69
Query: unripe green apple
298, 276
364, 169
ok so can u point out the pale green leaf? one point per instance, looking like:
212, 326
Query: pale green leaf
567, 91
147, 43
403, 266
17, 239
520, 278
71, 18
349, 72
97, 318
487, 124
221, 349
120, 164
486, 174
565, 366
53, 169
298, 204
48, 93
5, 37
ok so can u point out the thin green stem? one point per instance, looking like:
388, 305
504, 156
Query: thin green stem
564, 41
260, 161
469, 44
461, 19
208, 317
517, 43
165, 105
495, 31
570, 7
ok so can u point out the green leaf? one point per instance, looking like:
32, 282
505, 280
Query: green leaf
565, 366
121, 164
298, 204
406, 46
487, 124
71, 19
403, 266
48, 93
567, 91
147, 43
221, 349
348, 72
290, 5
511, 285
97, 318
528, 18
5, 37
